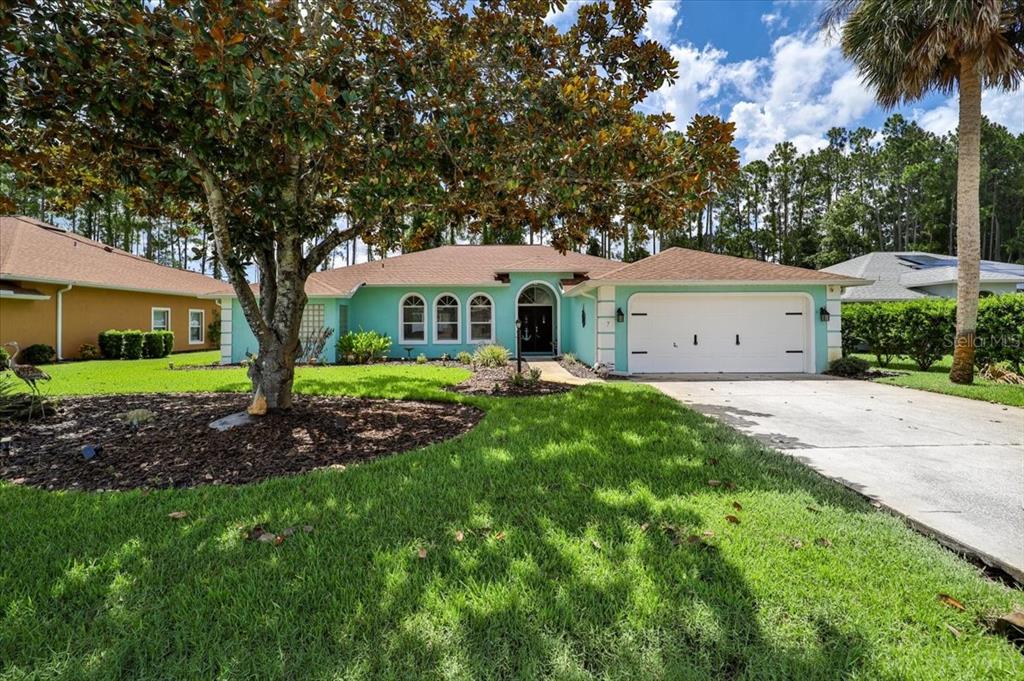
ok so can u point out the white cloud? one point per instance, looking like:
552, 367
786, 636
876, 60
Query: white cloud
808, 88
702, 76
661, 20
563, 19
775, 21
1005, 108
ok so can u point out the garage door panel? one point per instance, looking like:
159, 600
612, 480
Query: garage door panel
717, 333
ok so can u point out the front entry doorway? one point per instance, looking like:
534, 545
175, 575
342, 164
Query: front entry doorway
536, 312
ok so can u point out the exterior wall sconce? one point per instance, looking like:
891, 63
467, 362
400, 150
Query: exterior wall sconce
619, 316
823, 314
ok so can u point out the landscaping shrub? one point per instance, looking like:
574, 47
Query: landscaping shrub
421, 358
112, 343
569, 358
464, 357
132, 348
848, 366
152, 344
1000, 336
362, 347
925, 329
491, 356
534, 376
88, 351
168, 338
5, 359
39, 353
876, 324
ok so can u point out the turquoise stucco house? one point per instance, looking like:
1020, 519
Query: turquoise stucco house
677, 311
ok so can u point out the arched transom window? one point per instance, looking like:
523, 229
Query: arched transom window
414, 319
536, 295
481, 319
446, 319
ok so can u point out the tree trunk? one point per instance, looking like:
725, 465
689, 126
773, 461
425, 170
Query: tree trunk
968, 223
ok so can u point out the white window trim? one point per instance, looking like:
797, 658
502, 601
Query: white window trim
401, 320
469, 319
458, 320
152, 310
202, 326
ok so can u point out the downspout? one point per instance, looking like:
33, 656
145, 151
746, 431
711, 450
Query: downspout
60, 320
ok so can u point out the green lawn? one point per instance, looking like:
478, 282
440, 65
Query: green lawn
936, 380
556, 576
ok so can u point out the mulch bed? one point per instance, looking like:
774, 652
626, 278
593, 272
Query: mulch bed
177, 448
580, 370
496, 382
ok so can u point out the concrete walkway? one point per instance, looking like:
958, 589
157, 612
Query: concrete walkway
954, 467
551, 370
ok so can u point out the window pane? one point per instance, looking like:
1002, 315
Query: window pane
479, 332
447, 331
447, 315
160, 320
413, 332
480, 314
413, 301
413, 314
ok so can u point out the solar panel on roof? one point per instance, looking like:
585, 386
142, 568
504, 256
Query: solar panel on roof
927, 260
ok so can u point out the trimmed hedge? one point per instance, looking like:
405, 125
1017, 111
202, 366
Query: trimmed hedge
111, 343
152, 344
168, 337
132, 348
38, 353
924, 329
116, 344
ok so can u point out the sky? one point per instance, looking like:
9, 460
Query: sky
765, 66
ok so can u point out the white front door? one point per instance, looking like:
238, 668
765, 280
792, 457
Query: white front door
720, 333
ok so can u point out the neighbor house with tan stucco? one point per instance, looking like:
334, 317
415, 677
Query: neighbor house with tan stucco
61, 289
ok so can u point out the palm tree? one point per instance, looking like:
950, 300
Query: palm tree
905, 48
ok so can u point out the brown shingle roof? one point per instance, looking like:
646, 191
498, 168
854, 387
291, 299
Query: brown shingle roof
686, 265
454, 266
35, 251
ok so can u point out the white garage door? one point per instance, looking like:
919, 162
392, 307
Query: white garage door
729, 333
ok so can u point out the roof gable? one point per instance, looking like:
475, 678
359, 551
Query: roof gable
455, 265
681, 265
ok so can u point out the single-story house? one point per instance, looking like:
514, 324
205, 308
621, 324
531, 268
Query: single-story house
677, 311
911, 275
61, 289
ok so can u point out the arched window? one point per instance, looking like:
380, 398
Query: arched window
414, 320
481, 319
446, 319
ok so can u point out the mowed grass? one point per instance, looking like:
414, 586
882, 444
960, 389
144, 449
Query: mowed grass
565, 569
936, 380
393, 380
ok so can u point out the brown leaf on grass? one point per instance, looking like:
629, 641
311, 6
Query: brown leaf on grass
422, 553
953, 630
177, 515
708, 534
714, 483
733, 519
737, 505
500, 536
644, 527
459, 536
951, 602
823, 541
279, 539
813, 510
596, 544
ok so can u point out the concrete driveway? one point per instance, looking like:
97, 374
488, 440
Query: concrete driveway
954, 467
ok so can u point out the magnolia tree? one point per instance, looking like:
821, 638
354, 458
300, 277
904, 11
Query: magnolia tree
278, 119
